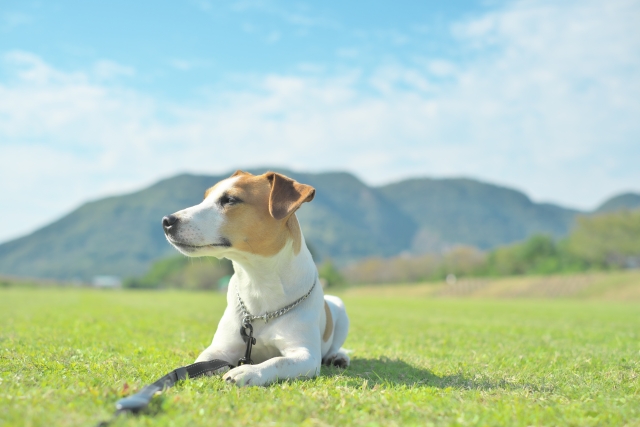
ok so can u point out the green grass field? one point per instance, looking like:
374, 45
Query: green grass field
66, 356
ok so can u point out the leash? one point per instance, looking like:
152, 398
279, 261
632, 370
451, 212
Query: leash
139, 401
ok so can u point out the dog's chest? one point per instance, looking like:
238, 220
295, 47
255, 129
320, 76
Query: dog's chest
270, 338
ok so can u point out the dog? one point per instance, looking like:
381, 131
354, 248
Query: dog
251, 220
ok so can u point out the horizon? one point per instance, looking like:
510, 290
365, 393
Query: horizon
98, 99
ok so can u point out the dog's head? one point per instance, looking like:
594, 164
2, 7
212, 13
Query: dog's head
245, 212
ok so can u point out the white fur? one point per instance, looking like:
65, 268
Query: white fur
200, 224
287, 347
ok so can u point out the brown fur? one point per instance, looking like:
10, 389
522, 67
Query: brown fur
328, 328
236, 173
287, 195
252, 225
294, 231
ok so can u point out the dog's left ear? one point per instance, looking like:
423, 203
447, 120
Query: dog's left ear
239, 172
287, 195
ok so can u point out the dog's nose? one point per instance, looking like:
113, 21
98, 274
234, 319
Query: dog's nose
168, 221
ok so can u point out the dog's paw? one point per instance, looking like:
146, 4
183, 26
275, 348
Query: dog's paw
245, 376
339, 359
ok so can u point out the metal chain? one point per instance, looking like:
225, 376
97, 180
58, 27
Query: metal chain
247, 317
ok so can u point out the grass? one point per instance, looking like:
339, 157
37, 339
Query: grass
66, 356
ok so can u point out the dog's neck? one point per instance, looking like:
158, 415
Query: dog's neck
269, 283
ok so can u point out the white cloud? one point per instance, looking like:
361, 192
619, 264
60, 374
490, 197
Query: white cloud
32, 70
549, 104
555, 96
441, 68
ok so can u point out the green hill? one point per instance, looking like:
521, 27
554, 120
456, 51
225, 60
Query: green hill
465, 211
347, 220
118, 235
623, 201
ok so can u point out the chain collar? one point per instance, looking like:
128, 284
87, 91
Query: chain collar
247, 317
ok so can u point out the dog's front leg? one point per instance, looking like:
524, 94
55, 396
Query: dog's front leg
230, 354
294, 363
226, 344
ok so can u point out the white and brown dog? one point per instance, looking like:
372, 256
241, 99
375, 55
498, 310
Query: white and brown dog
251, 220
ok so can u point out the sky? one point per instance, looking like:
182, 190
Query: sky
101, 98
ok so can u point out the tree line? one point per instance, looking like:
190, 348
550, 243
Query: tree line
599, 242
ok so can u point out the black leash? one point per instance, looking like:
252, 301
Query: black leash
139, 401
250, 340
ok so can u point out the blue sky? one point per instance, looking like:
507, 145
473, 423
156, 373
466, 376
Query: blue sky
103, 98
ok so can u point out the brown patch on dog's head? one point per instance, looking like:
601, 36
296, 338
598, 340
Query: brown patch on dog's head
236, 173
263, 219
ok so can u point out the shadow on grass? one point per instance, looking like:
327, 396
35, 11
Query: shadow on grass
386, 372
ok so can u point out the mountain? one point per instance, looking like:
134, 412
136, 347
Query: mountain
118, 235
122, 235
465, 211
617, 203
347, 220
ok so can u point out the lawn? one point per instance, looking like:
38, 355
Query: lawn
66, 355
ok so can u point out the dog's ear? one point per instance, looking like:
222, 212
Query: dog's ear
287, 195
239, 172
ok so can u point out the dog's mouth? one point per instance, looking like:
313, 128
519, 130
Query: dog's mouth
223, 243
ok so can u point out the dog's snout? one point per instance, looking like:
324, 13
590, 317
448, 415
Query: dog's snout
168, 221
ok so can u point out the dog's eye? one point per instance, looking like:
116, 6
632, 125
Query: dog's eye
227, 200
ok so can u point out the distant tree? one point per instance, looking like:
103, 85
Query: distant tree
609, 240
157, 274
462, 261
540, 254
331, 275
537, 255
183, 273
